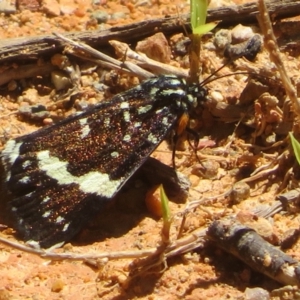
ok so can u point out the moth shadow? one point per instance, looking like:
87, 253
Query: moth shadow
128, 208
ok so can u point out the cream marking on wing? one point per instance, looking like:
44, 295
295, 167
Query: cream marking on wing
165, 121
25, 179
59, 219
114, 154
126, 138
9, 155
124, 105
33, 244
126, 116
144, 109
45, 200
11, 151
66, 226
152, 138
106, 122
92, 182
46, 214
26, 164
170, 92
85, 130
153, 91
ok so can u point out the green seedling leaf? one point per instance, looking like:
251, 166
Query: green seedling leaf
166, 216
164, 204
204, 28
198, 12
296, 147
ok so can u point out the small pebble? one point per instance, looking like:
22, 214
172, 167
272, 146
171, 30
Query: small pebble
181, 46
207, 169
256, 293
8, 6
60, 80
222, 38
156, 47
216, 96
100, 15
252, 91
153, 202
118, 15
240, 192
51, 7
57, 286
81, 105
12, 85
31, 96
35, 112
48, 121
241, 33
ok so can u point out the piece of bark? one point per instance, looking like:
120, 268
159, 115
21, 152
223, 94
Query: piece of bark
29, 48
244, 243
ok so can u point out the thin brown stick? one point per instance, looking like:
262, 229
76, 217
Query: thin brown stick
187, 243
272, 47
30, 48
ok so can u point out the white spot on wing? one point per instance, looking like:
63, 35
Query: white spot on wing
59, 219
45, 200
126, 138
165, 121
25, 179
85, 130
65, 228
152, 138
175, 81
137, 124
33, 244
106, 122
26, 164
83, 121
124, 105
114, 154
126, 116
92, 182
9, 155
144, 109
11, 151
170, 92
153, 91
46, 214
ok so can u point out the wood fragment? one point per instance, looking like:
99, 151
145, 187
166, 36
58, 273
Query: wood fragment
30, 48
244, 243
25, 71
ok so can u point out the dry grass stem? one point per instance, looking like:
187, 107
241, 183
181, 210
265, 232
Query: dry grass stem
142, 60
274, 52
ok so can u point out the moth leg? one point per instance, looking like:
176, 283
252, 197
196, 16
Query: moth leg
175, 140
196, 141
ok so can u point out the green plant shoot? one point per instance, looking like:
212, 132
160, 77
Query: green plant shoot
166, 215
198, 17
296, 147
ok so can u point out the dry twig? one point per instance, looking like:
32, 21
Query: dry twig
272, 47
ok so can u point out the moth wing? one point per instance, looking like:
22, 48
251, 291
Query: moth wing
62, 175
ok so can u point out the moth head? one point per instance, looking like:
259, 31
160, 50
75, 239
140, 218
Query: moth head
196, 95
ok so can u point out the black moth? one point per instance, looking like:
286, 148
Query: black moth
61, 175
